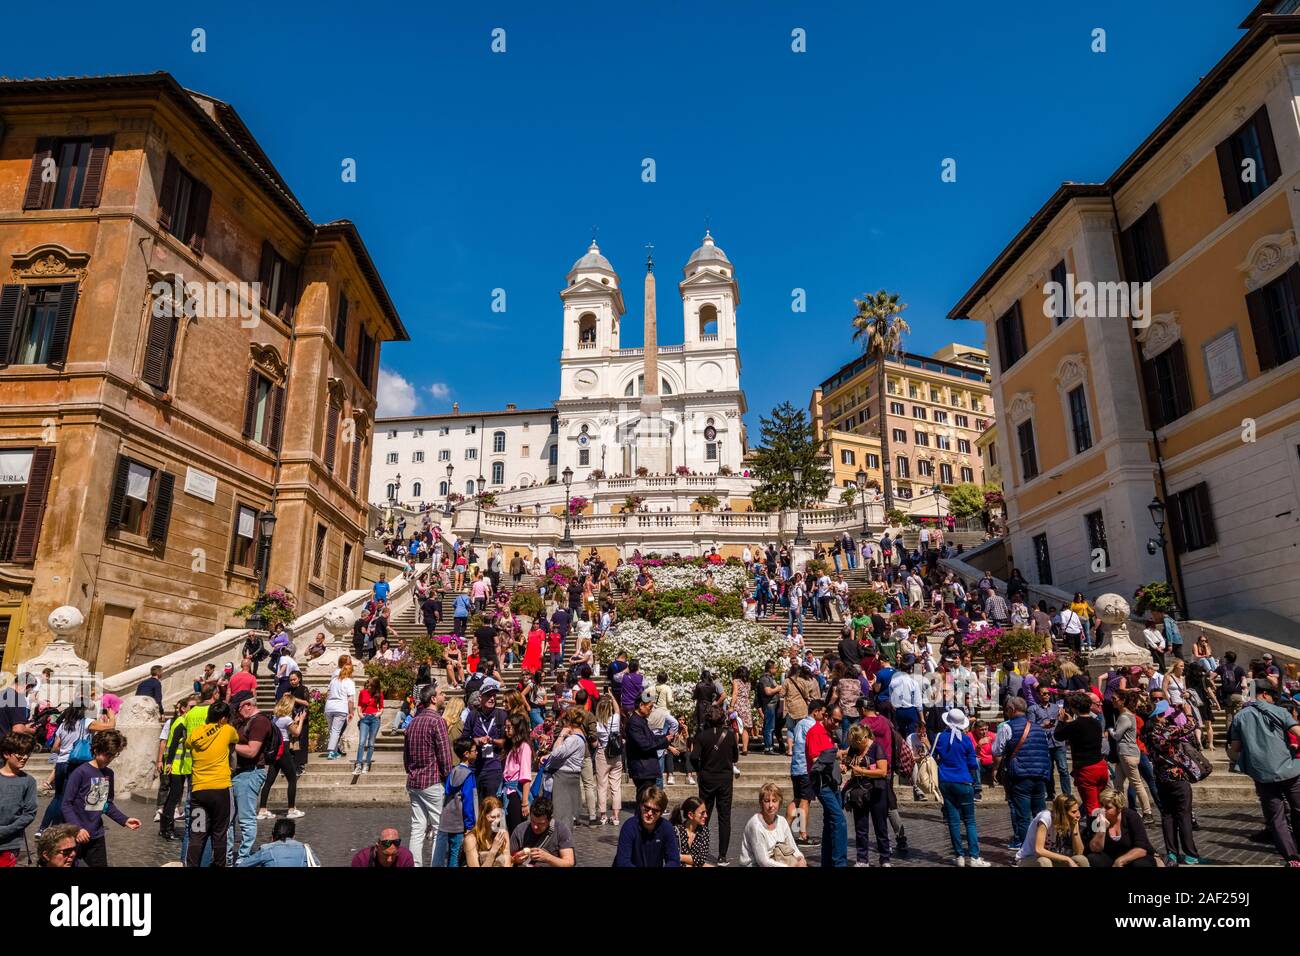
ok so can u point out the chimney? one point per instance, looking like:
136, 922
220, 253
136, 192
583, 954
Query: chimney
511, 406
455, 408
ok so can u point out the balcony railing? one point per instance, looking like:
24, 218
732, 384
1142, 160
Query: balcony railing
709, 337
586, 345
8, 538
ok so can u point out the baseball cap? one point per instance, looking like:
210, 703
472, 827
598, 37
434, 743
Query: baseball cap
237, 700
647, 696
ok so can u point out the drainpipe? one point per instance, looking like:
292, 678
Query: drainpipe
1176, 577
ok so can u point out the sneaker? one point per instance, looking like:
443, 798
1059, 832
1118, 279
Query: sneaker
978, 861
295, 813
365, 769
886, 863
671, 780
918, 796
1171, 859
1014, 847
690, 778
332, 755
736, 771
356, 769
861, 864
960, 861
724, 863
604, 821
157, 815
264, 814
1192, 860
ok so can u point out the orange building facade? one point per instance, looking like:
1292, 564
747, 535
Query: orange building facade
181, 351
1171, 370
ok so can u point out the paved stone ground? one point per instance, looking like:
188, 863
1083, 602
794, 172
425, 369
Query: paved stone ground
336, 833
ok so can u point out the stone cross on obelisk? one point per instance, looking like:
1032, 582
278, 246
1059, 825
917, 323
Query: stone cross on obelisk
651, 434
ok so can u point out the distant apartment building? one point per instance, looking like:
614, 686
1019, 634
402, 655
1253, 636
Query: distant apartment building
422, 459
182, 351
1110, 402
936, 408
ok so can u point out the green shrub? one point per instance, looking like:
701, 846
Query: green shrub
864, 602
681, 602
527, 601
1156, 596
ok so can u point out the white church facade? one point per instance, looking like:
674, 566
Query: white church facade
605, 419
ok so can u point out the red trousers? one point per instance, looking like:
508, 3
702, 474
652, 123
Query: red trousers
1091, 781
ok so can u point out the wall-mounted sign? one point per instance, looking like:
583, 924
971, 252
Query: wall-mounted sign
200, 484
15, 466
1224, 369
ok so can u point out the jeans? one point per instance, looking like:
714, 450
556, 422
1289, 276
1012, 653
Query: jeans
1062, 770
1281, 805
837, 563
906, 719
1026, 798
853, 560
246, 788
875, 813
794, 616
338, 724
769, 724
959, 809
369, 728
54, 811
446, 849
426, 813
835, 833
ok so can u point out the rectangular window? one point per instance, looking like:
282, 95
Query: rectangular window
318, 554
183, 205
392, 433
1043, 557
847, 457
941, 417
967, 474
963, 446
873, 461
1275, 320
1144, 247
498, 473
896, 408
471, 429
1248, 162
1191, 519
1067, 308
523, 451
981, 425
36, 323
584, 456
417, 433
140, 502
1096, 526
913, 391
471, 454
903, 471
1011, 337
899, 436
341, 324
945, 474
993, 454
918, 411
924, 468
499, 442
1079, 419
1169, 394
444, 431
848, 424
417, 457
1028, 453
264, 411
365, 356
279, 283
943, 442
22, 507
921, 438
78, 167
242, 550
444, 454
961, 421
345, 575
935, 396
553, 455
392, 458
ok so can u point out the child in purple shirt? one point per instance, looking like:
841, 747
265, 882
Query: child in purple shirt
88, 798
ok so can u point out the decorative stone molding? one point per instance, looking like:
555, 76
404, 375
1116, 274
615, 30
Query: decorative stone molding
1020, 407
334, 388
1071, 371
1163, 332
1268, 258
362, 422
267, 358
50, 260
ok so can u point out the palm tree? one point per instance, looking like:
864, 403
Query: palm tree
880, 327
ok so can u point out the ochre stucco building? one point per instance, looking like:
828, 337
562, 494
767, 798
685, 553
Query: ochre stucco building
142, 433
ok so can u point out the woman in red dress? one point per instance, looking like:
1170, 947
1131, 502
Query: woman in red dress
533, 652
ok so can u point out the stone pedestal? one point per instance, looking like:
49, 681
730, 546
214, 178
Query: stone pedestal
567, 556
73, 680
1120, 650
135, 769
800, 555
338, 622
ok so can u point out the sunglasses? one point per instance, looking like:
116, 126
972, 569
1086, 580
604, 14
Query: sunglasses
64, 851
389, 844
21, 758
649, 809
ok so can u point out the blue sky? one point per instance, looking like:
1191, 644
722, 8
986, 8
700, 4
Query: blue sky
817, 170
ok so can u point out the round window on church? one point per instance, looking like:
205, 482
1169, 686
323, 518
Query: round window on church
710, 433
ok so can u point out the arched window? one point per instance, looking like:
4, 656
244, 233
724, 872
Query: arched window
469, 487
498, 473
443, 489
708, 322
587, 329
392, 491
635, 388
498, 442
417, 489
555, 425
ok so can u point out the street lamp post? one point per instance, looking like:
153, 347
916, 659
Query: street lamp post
567, 541
447, 502
862, 490
265, 529
799, 537
478, 515
1157, 509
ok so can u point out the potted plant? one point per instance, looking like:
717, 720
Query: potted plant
707, 502
724, 470
682, 470
597, 473
642, 471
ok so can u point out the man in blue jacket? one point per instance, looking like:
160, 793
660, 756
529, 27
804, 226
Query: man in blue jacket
283, 850
648, 841
643, 744
1022, 761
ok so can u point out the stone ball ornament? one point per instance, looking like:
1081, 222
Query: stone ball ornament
340, 620
1112, 609
65, 620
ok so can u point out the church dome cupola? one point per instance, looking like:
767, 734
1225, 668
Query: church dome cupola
592, 262
709, 254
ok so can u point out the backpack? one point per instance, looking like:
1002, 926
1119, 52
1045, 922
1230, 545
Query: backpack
273, 745
904, 758
614, 746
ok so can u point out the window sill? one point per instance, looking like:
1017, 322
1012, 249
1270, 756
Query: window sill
133, 541
247, 574
1204, 555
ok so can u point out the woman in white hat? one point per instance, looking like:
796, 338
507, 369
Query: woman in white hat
959, 782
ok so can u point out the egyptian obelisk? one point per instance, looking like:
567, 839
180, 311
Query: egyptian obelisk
651, 433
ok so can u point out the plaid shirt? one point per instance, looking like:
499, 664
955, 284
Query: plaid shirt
426, 753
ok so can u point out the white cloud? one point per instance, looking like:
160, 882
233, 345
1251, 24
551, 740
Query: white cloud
440, 391
396, 396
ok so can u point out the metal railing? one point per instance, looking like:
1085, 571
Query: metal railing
8, 539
